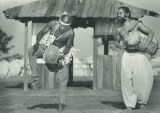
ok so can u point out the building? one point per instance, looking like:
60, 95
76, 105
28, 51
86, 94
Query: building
98, 14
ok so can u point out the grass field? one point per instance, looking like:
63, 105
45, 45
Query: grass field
80, 99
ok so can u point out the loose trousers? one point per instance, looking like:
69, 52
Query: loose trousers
61, 74
136, 78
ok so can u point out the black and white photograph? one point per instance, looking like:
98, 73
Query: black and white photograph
79, 56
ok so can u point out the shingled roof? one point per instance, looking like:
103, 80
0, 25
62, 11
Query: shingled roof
78, 8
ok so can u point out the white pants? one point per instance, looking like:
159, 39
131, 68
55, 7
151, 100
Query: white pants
136, 78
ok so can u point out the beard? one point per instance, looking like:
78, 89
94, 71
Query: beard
121, 20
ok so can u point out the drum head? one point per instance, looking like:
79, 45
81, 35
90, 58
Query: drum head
51, 55
133, 38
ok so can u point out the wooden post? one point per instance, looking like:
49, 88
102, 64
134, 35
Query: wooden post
100, 71
70, 78
108, 73
30, 33
105, 41
47, 78
114, 71
95, 55
70, 71
100, 55
26, 57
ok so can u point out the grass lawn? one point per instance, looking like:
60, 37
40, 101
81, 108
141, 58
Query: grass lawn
80, 99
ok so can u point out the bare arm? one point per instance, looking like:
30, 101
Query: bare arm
117, 39
141, 27
69, 42
44, 31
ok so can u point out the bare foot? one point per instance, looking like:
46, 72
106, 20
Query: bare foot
142, 107
129, 108
35, 85
60, 108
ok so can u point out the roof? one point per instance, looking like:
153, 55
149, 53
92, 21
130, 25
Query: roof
78, 8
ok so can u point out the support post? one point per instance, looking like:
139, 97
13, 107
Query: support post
70, 71
105, 41
95, 55
70, 78
26, 57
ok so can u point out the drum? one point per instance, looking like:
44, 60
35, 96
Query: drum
136, 40
47, 40
52, 55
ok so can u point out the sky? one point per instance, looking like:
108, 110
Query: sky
16, 28
12, 27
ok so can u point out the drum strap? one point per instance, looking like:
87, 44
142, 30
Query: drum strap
60, 35
131, 28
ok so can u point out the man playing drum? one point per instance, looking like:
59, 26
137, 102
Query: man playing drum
60, 35
136, 70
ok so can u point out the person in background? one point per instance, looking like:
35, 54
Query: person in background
136, 70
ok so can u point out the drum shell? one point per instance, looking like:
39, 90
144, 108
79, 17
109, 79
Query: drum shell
52, 55
136, 41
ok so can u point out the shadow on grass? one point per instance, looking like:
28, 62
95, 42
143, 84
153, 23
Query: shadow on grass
44, 106
87, 84
18, 86
118, 105
4, 100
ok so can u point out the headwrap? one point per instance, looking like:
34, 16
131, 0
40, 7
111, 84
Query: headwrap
65, 19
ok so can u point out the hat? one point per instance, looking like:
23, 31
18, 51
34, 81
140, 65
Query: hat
65, 19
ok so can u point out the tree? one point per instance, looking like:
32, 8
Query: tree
4, 42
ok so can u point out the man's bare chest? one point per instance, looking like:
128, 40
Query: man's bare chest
60, 37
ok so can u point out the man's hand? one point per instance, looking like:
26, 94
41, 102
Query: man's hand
35, 47
60, 60
60, 63
144, 46
61, 56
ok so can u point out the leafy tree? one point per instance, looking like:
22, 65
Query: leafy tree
4, 42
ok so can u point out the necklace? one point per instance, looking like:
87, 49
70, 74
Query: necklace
58, 33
